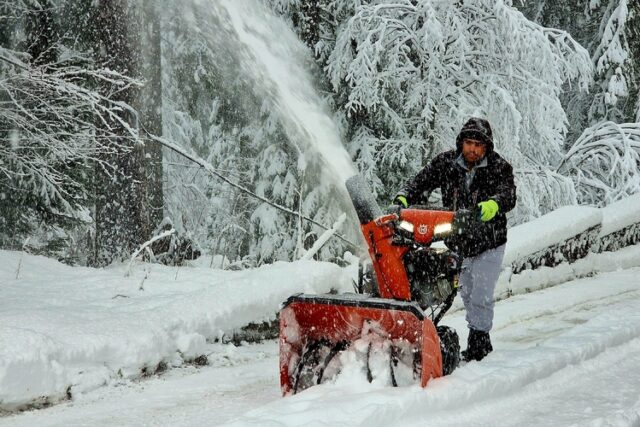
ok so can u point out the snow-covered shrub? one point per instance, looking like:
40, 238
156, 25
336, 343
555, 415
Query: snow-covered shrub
605, 163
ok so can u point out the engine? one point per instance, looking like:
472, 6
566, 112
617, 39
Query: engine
432, 273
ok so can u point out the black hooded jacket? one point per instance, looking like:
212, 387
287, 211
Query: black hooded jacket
493, 181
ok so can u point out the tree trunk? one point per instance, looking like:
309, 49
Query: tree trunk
6, 25
151, 108
122, 211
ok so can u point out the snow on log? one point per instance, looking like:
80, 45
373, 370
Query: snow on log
620, 225
563, 235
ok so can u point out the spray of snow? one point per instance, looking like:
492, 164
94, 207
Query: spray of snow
279, 58
14, 139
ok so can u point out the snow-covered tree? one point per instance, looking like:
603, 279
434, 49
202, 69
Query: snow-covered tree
617, 62
52, 131
409, 73
605, 163
609, 31
600, 142
204, 111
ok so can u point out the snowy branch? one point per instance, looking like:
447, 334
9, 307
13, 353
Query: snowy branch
145, 246
324, 238
207, 166
54, 123
605, 163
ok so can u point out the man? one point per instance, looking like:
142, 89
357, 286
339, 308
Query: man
473, 176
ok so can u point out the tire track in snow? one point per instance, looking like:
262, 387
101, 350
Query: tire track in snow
563, 398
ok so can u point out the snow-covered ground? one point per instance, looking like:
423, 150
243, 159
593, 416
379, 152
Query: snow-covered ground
66, 330
563, 355
567, 345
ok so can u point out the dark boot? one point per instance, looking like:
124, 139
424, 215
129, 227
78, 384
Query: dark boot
478, 346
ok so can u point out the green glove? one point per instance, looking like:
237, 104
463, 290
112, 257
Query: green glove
401, 200
488, 209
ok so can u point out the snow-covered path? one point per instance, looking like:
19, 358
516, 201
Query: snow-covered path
563, 355
239, 379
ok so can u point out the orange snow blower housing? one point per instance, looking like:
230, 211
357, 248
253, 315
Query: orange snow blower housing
401, 304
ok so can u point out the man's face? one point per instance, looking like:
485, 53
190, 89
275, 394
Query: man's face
473, 150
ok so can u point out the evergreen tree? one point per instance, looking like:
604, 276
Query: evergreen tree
224, 113
48, 127
206, 111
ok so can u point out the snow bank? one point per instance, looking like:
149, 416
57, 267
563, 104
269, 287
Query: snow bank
544, 277
66, 329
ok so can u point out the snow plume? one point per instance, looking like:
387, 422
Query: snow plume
238, 92
277, 59
267, 127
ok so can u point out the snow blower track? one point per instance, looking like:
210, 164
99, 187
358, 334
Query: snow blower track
557, 343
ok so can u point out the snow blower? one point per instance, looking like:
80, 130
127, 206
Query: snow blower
413, 285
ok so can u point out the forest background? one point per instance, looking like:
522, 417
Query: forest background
123, 120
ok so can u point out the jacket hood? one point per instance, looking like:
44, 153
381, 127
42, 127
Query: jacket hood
476, 128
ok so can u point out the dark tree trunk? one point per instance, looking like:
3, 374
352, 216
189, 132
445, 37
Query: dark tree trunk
151, 108
122, 211
6, 26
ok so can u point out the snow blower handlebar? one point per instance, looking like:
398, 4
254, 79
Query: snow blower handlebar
368, 210
423, 225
